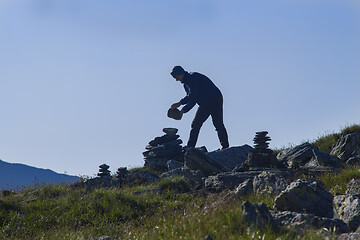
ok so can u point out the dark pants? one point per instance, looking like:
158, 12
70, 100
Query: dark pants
215, 110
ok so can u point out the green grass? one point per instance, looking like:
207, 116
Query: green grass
337, 182
326, 141
59, 212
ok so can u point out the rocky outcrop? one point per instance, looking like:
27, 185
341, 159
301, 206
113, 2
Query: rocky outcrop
353, 187
348, 146
162, 149
195, 159
258, 215
347, 208
231, 157
307, 155
305, 196
193, 176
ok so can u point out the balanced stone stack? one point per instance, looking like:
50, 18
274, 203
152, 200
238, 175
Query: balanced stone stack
262, 156
121, 174
164, 148
104, 171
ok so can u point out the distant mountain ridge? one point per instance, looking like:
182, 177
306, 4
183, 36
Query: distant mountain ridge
16, 175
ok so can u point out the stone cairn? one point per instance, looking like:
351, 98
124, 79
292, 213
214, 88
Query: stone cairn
164, 148
104, 171
262, 156
121, 174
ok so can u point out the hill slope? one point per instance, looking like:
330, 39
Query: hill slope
15, 175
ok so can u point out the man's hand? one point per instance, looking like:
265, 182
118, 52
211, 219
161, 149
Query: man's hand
181, 114
175, 105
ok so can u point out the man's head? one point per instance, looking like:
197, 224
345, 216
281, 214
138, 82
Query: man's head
178, 73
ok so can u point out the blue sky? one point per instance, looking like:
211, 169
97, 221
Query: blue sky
87, 82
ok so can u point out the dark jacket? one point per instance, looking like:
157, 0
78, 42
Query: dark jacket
199, 89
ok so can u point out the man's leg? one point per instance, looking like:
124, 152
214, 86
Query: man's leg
200, 117
218, 121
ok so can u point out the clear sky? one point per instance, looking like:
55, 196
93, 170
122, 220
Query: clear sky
86, 82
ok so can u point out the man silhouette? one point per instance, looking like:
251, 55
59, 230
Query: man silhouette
202, 91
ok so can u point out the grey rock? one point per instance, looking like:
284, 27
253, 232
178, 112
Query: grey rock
354, 160
305, 221
170, 131
172, 164
270, 183
163, 139
244, 188
307, 154
203, 149
159, 163
347, 146
197, 160
231, 157
349, 236
208, 237
160, 152
347, 208
262, 158
137, 176
353, 187
305, 196
227, 180
194, 176
258, 215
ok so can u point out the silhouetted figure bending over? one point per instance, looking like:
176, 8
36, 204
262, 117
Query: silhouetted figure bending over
202, 91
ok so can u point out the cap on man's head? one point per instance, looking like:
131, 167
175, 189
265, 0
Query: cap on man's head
177, 70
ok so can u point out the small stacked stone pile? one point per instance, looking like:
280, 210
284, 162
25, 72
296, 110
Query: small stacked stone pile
262, 156
261, 144
104, 171
121, 173
164, 148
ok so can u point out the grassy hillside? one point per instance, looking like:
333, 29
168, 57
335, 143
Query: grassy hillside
168, 209
59, 212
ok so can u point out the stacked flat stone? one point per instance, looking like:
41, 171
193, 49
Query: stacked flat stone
261, 156
164, 148
104, 171
261, 144
121, 172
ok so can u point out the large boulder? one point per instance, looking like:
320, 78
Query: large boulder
305, 221
194, 176
258, 215
227, 180
270, 183
347, 208
347, 146
308, 155
231, 157
195, 159
305, 196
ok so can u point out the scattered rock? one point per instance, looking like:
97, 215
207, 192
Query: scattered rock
302, 221
244, 188
139, 177
347, 146
197, 160
307, 154
347, 208
227, 180
305, 196
270, 183
353, 187
231, 157
258, 215
193, 176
